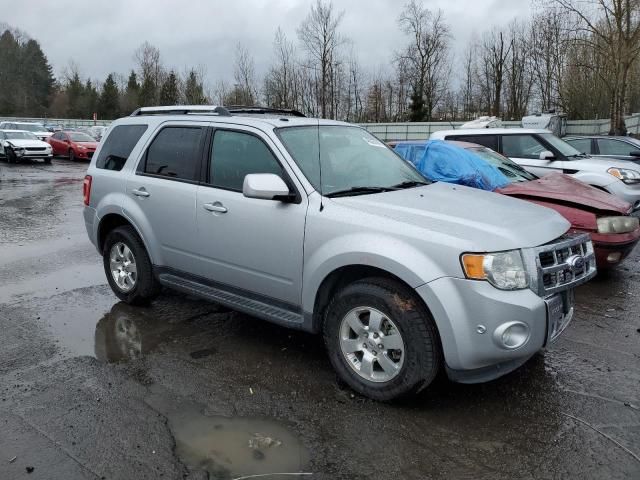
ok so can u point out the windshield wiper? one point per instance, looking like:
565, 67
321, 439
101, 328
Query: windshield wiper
409, 184
359, 191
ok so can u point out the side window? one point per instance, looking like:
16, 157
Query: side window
583, 145
489, 141
175, 153
237, 154
522, 146
57, 136
614, 147
118, 146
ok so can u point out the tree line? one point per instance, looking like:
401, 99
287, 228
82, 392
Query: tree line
575, 56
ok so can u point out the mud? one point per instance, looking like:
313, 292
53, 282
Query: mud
92, 388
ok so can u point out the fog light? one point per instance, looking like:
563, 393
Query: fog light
511, 335
614, 257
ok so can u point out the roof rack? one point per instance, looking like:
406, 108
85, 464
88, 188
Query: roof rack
182, 110
256, 109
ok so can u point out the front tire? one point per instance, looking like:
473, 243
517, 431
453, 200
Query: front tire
11, 156
72, 155
128, 267
381, 339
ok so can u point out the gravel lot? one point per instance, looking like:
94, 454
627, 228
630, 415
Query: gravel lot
91, 388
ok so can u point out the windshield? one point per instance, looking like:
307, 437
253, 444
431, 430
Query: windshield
20, 136
510, 169
31, 127
80, 137
351, 158
563, 147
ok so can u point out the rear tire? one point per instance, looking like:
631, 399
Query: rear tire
383, 310
128, 267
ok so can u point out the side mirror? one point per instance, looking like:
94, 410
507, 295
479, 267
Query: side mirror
635, 153
547, 155
265, 186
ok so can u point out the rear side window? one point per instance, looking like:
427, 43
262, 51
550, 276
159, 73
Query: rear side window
614, 147
522, 146
489, 141
175, 153
118, 146
583, 145
237, 154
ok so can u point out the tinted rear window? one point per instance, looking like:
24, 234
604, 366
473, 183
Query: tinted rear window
118, 146
489, 141
175, 153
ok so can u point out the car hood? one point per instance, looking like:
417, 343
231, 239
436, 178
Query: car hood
566, 190
23, 142
485, 220
599, 164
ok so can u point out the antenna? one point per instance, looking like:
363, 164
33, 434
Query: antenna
319, 163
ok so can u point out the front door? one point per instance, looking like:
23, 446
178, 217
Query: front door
525, 150
164, 188
250, 244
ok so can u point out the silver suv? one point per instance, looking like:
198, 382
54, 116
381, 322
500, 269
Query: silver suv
317, 225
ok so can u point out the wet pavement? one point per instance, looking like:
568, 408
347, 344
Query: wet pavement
91, 388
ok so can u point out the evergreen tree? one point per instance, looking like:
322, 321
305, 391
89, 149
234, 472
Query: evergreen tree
75, 94
193, 90
147, 95
130, 98
109, 104
36, 79
9, 55
90, 100
169, 91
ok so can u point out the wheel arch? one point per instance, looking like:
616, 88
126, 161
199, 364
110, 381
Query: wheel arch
114, 220
345, 275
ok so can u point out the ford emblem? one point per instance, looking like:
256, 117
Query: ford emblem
576, 263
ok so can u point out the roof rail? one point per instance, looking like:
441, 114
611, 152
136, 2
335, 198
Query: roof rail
182, 110
256, 109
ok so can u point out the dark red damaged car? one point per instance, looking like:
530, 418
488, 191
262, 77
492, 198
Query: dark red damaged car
607, 218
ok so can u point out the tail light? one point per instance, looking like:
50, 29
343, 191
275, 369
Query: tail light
86, 189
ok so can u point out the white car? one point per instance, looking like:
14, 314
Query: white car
541, 152
37, 129
16, 145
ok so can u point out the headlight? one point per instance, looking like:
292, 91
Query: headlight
624, 174
503, 270
617, 224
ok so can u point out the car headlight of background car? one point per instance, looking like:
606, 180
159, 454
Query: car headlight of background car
625, 174
503, 270
617, 224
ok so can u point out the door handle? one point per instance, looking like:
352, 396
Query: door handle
141, 192
215, 207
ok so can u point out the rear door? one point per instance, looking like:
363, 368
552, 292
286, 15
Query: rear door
164, 188
250, 244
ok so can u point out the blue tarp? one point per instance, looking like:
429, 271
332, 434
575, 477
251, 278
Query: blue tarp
444, 162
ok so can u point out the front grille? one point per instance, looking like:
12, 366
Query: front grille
36, 149
561, 265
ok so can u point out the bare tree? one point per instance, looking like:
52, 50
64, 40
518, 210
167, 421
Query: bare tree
519, 82
426, 57
320, 38
245, 92
495, 50
280, 87
612, 29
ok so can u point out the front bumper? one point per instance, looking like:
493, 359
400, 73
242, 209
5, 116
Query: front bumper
468, 313
627, 192
611, 249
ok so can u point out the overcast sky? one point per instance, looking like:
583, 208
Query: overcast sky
101, 36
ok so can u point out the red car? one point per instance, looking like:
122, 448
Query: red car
75, 145
607, 218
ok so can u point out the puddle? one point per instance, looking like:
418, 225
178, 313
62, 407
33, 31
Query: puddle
232, 447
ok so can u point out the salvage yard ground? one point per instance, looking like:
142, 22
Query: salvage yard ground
91, 388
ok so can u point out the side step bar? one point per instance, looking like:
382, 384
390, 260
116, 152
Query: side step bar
271, 313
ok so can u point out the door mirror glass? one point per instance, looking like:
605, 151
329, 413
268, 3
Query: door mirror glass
265, 186
635, 153
547, 155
